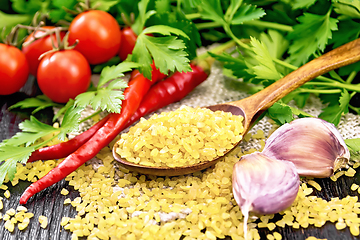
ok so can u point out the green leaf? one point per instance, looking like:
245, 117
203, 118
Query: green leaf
32, 130
280, 113
112, 72
167, 52
275, 42
10, 156
353, 144
143, 16
108, 98
39, 102
189, 4
236, 65
298, 4
162, 6
266, 68
347, 9
104, 5
59, 13
164, 30
31, 6
310, 35
212, 10
70, 122
178, 20
245, 13
10, 20
348, 30
333, 112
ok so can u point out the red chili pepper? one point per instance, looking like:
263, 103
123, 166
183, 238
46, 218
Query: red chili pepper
64, 149
133, 95
171, 90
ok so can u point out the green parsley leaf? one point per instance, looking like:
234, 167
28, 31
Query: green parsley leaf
143, 16
70, 122
107, 98
168, 52
310, 35
113, 72
266, 67
162, 6
178, 20
212, 10
108, 95
39, 102
353, 144
246, 12
275, 42
104, 5
282, 113
347, 9
10, 20
236, 65
333, 112
298, 4
31, 6
32, 130
59, 13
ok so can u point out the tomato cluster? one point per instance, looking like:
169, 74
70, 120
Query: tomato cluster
94, 37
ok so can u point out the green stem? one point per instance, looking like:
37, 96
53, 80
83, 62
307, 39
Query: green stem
351, 77
237, 40
292, 67
355, 109
272, 25
255, 23
351, 87
217, 49
323, 91
90, 116
206, 25
46, 141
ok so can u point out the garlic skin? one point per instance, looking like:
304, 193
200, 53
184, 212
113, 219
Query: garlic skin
314, 145
263, 185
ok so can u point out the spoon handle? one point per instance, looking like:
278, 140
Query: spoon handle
339, 57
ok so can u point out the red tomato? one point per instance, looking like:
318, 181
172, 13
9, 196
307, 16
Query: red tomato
14, 69
98, 33
63, 75
35, 49
128, 40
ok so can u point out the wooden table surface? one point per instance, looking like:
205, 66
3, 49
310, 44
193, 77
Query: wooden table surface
50, 202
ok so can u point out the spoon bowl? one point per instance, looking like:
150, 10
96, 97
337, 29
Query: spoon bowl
252, 107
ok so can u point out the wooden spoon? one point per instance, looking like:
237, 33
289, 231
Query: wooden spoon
251, 107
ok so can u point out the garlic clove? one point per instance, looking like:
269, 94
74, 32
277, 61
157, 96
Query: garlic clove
314, 145
263, 185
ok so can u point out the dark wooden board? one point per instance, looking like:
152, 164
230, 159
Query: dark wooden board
50, 202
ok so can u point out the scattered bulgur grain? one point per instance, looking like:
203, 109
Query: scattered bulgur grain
43, 221
21, 208
350, 172
354, 187
64, 192
314, 184
10, 212
7, 194
67, 201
